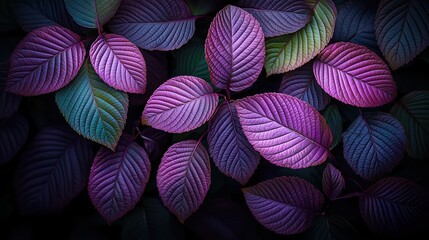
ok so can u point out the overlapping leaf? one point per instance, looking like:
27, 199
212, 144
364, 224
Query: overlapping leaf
119, 63
183, 178
13, 134
181, 104
402, 30
285, 205
234, 49
374, 144
287, 52
394, 206
190, 60
335, 123
278, 17
118, 179
9, 102
44, 61
354, 75
53, 170
301, 84
92, 108
228, 146
413, 112
92, 13
154, 24
285, 130
332, 181
332, 227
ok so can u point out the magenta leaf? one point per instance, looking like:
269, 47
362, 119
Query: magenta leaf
119, 63
332, 181
228, 146
13, 135
234, 49
181, 104
278, 17
354, 75
301, 84
285, 130
285, 205
46, 60
154, 24
394, 206
118, 179
374, 144
183, 178
53, 170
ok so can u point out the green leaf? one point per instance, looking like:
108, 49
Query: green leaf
290, 51
92, 108
335, 122
92, 13
190, 60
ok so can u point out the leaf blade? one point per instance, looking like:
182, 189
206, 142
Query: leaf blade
13, 135
92, 13
332, 181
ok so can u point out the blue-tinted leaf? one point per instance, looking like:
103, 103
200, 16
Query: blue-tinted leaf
92, 13
190, 60
13, 135
335, 122
9, 102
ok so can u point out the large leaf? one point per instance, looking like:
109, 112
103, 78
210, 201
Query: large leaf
92, 108
395, 206
46, 60
13, 134
285, 205
234, 49
374, 144
278, 17
228, 146
413, 112
301, 84
183, 178
92, 13
53, 170
118, 178
119, 63
285, 130
9, 102
287, 52
181, 104
154, 24
190, 60
402, 30
333, 182
335, 122
354, 75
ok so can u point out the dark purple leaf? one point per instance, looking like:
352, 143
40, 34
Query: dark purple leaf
333, 182
9, 102
13, 135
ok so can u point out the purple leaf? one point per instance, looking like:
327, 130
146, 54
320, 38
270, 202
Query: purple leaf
332, 181
13, 135
154, 24
394, 206
119, 63
118, 179
183, 178
228, 146
354, 75
234, 49
52, 171
181, 104
278, 17
46, 60
285, 130
285, 205
301, 84
374, 144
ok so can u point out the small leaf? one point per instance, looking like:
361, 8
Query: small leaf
181, 104
118, 179
234, 49
46, 60
285, 130
413, 112
92, 108
335, 122
394, 206
13, 135
354, 75
154, 24
92, 13
285, 205
300, 83
190, 60
53, 170
287, 52
278, 17
333, 182
119, 63
228, 146
183, 178
402, 30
